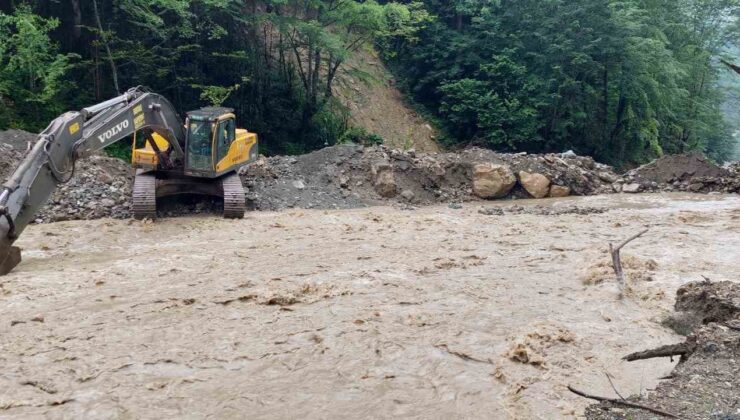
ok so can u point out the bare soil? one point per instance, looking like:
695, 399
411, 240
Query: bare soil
368, 91
672, 168
378, 312
344, 176
691, 172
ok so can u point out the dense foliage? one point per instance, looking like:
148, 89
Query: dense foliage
623, 80
274, 61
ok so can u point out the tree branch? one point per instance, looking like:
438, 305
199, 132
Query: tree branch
669, 350
617, 260
623, 403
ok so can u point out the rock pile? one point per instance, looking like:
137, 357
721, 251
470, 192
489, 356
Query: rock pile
351, 176
690, 172
100, 187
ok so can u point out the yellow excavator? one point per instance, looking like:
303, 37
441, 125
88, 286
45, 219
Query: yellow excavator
201, 156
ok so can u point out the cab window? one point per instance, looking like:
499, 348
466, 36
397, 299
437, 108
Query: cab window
225, 136
199, 147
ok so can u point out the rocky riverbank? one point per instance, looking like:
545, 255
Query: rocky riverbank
705, 382
350, 176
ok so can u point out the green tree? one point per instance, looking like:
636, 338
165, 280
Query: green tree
31, 70
624, 80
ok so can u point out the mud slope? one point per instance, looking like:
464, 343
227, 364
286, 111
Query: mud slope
363, 313
366, 87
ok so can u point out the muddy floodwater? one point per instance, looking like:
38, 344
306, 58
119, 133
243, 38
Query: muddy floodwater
382, 312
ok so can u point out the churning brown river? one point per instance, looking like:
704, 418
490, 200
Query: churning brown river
432, 313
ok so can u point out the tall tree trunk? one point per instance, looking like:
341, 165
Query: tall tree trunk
317, 70
605, 106
331, 72
616, 138
77, 18
107, 48
309, 74
96, 72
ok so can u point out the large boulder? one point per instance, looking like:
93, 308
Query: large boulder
631, 188
492, 181
383, 180
537, 185
559, 191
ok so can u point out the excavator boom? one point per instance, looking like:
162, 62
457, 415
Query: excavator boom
73, 135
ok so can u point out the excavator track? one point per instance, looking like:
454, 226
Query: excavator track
145, 196
234, 205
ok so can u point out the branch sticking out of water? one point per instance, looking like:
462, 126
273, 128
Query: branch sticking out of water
617, 261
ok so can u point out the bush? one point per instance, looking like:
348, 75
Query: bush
359, 135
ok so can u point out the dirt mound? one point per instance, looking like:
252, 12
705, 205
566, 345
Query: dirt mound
100, 187
685, 172
13, 144
352, 176
702, 303
704, 384
678, 168
9, 159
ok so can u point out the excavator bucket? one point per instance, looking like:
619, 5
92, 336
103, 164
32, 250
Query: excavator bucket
10, 255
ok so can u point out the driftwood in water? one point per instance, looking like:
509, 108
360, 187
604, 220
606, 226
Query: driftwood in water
616, 259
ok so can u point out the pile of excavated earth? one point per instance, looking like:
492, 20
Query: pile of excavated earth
690, 172
99, 187
349, 176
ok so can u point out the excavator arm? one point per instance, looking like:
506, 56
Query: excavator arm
74, 135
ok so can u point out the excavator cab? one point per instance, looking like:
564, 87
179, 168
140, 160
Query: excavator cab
213, 145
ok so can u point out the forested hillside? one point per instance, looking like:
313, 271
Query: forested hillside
624, 81
729, 83
275, 62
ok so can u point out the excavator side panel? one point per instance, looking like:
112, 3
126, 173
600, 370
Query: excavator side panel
146, 157
240, 151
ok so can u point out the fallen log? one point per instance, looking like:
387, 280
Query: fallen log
670, 350
623, 403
